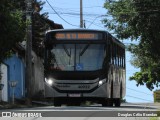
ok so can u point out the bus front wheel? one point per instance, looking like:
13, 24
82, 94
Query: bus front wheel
57, 102
117, 102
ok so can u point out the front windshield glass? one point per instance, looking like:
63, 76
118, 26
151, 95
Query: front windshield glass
78, 57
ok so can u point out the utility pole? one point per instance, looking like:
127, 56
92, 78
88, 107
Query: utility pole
28, 83
81, 14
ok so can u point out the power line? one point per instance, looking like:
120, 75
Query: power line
95, 24
95, 19
72, 9
140, 92
138, 98
59, 15
88, 16
71, 15
67, 9
87, 7
76, 14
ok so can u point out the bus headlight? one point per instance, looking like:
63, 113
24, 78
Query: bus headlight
49, 81
101, 82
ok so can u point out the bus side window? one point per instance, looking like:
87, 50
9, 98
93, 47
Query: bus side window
116, 60
117, 55
124, 58
120, 54
113, 52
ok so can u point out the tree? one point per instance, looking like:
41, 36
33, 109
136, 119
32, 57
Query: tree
138, 20
12, 27
39, 27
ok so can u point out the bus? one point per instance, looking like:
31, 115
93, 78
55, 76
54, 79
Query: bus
84, 65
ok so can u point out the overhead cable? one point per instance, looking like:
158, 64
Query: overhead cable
140, 91
59, 15
138, 98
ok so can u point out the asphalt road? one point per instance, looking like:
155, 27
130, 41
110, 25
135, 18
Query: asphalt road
127, 111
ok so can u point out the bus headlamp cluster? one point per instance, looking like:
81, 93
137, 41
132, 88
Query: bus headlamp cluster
49, 81
101, 82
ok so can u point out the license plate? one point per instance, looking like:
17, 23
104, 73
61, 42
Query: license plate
74, 95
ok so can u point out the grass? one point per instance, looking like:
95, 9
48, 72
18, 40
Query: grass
155, 118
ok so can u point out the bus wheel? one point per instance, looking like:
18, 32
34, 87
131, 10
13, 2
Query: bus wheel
56, 102
73, 104
104, 103
117, 102
110, 102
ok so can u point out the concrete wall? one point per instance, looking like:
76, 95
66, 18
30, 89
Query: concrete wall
4, 80
38, 76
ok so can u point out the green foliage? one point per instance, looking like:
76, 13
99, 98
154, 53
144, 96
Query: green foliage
39, 27
138, 20
154, 118
123, 100
157, 96
12, 28
120, 18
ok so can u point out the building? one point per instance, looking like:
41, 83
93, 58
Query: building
13, 70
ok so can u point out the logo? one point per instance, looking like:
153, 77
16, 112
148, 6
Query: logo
79, 67
21, 114
6, 114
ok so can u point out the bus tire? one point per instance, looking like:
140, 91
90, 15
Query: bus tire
110, 102
104, 103
117, 102
56, 102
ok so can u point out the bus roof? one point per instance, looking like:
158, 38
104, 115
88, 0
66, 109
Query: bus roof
80, 29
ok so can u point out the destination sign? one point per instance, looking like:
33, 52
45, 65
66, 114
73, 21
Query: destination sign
78, 36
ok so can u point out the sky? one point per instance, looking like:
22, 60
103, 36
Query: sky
66, 12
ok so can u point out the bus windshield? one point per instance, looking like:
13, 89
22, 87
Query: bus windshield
78, 57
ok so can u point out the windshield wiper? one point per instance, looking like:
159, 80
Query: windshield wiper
68, 53
84, 49
65, 49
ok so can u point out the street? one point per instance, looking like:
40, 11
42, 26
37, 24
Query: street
127, 111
